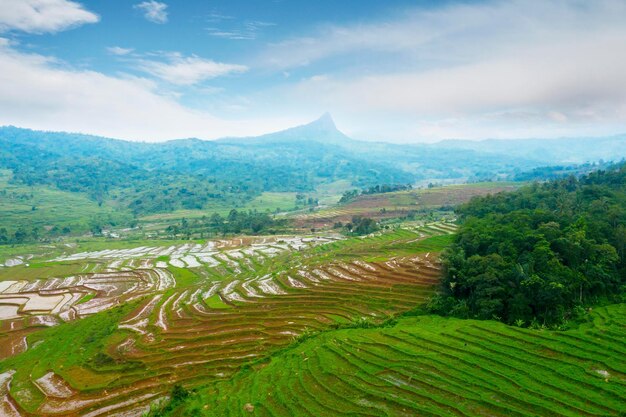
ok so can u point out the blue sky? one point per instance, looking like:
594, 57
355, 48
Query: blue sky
403, 71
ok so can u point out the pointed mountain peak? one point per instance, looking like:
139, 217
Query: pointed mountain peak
322, 130
325, 121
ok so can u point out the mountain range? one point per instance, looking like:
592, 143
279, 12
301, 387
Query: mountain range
190, 173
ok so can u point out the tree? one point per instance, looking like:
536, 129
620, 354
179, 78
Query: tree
536, 254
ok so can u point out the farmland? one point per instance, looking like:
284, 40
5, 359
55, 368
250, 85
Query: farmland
400, 203
186, 232
118, 334
433, 366
311, 323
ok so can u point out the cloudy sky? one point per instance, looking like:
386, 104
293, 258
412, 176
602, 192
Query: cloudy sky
395, 70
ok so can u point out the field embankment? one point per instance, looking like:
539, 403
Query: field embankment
433, 366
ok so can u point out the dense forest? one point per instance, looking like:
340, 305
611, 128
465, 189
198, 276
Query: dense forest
182, 174
536, 255
553, 172
151, 178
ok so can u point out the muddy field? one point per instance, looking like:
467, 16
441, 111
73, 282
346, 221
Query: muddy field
201, 312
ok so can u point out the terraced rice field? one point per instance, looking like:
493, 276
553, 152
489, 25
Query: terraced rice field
432, 366
399, 203
193, 314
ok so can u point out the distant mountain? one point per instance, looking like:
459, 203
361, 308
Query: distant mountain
322, 130
193, 173
561, 150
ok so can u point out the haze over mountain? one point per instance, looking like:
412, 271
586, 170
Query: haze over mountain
322, 130
559, 150
188, 173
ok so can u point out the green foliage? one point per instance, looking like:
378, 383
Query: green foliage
560, 171
178, 395
361, 225
374, 189
249, 222
183, 174
424, 365
536, 254
56, 213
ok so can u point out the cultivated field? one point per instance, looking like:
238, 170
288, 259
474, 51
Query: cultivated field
432, 366
399, 203
141, 319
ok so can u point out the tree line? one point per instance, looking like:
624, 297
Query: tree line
249, 222
375, 189
540, 254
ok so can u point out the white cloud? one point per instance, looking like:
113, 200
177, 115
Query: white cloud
153, 11
553, 76
453, 68
180, 70
43, 16
41, 93
452, 34
248, 30
117, 50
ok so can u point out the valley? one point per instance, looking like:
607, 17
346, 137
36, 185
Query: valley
294, 274
135, 322
272, 208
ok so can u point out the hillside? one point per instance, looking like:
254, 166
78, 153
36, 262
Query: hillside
540, 254
430, 366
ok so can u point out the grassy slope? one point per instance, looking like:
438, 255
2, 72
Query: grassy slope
53, 207
266, 201
435, 366
69, 350
416, 199
283, 201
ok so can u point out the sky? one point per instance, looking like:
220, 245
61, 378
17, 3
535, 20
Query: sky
393, 70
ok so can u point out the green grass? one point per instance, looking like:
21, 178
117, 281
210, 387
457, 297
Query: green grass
52, 207
330, 193
272, 201
266, 201
184, 277
86, 298
68, 350
435, 366
394, 243
215, 301
41, 271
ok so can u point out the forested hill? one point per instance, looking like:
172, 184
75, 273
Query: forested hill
188, 173
192, 173
538, 254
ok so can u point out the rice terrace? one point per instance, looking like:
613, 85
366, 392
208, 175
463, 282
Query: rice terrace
290, 208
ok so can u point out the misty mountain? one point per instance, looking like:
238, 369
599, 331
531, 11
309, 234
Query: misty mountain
190, 173
322, 130
550, 151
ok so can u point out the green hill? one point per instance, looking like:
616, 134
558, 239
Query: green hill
433, 366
